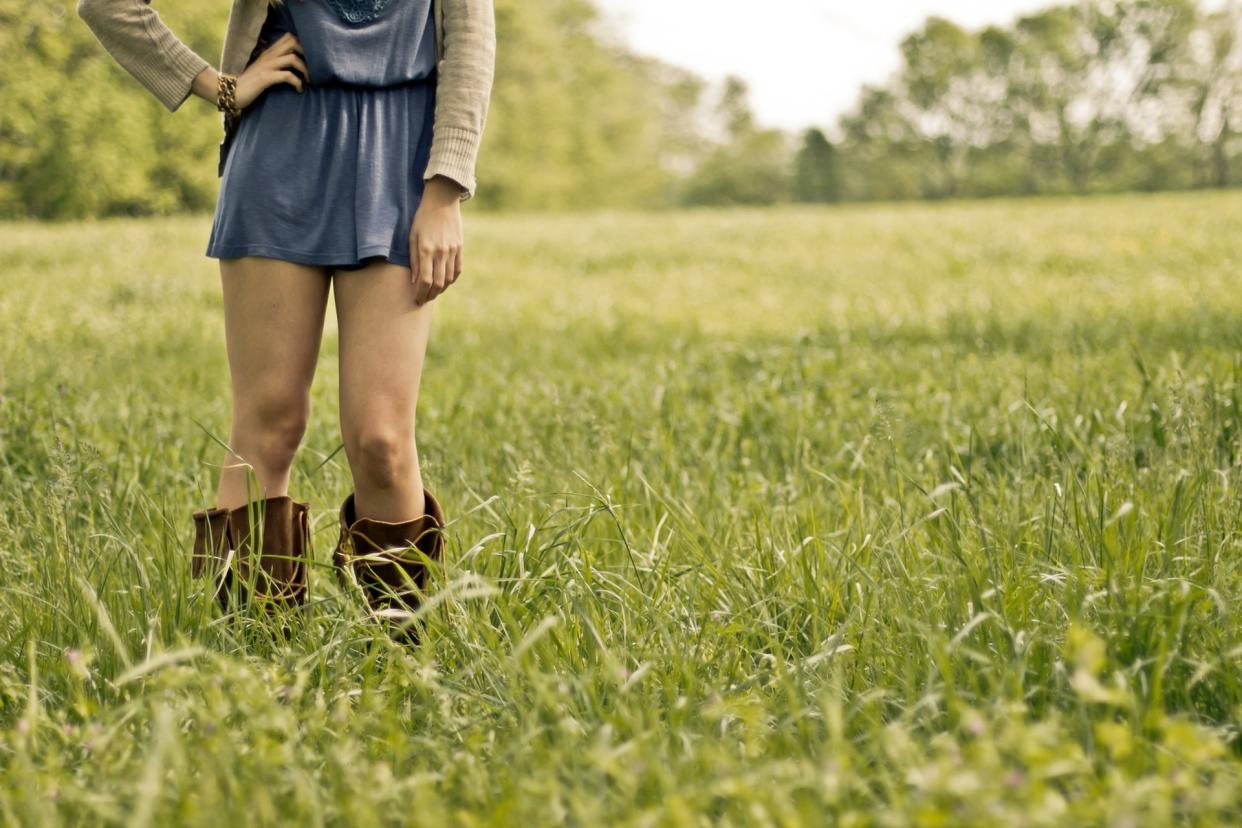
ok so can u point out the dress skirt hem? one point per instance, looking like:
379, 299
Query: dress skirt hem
348, 260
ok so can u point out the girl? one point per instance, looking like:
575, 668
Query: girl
351, 133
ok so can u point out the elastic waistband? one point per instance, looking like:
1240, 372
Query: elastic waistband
339, 84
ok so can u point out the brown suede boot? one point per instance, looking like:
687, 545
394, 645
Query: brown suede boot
379, 556
224, 550
280, 529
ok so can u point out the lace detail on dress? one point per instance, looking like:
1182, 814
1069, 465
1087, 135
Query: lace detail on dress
359, 11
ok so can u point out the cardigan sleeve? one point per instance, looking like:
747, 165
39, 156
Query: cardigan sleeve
463, 91
132, 32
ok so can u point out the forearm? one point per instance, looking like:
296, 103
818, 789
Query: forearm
132, 32
205, 84
463, 90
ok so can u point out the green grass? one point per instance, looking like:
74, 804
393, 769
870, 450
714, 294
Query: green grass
866, 516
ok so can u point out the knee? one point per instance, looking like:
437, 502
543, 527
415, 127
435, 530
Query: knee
271, 428
383, 458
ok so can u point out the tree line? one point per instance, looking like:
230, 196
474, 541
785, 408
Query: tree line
1078, 98
1133, 94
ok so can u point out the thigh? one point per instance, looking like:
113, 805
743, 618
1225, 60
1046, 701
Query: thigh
273, 322
383, 341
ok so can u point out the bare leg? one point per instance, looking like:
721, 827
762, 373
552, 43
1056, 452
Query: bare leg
273, 322
383, 337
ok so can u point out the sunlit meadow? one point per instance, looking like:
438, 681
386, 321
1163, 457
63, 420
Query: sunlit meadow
878, 515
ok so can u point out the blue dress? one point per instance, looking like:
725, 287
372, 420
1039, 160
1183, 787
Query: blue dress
332, 175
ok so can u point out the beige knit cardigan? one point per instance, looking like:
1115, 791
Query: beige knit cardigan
132, 32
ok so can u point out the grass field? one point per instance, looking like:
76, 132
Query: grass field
891, 515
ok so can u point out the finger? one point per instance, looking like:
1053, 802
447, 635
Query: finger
428, 291
288, 77
426, 274
292, 60
433, 289
287, 44
444, 266
457, 264
420, 288
414, 257
450, 266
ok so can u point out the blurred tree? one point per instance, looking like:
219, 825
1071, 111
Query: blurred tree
950, 100
1082, 77
1078, 97
575, 120
749, 165
68, 150
1206, 93
880, 151
817, 170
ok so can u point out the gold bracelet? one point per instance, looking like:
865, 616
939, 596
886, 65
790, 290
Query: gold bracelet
226, 94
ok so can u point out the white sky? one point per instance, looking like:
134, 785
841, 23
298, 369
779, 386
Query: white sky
804, 60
